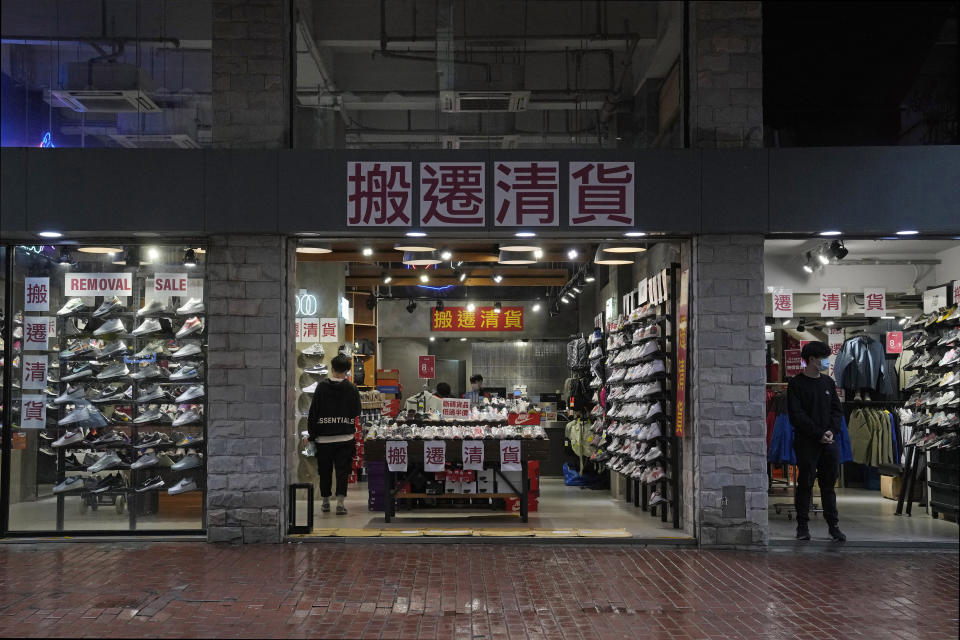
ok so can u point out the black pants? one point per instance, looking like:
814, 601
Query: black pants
818, 462
337, 455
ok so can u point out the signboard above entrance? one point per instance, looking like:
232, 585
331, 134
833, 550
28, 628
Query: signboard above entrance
480, 319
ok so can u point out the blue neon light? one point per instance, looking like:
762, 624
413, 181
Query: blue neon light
47, 142
432, 288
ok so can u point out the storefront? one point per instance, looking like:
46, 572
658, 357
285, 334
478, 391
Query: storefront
888, 310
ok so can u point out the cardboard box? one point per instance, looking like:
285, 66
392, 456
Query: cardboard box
388, 373
388, 388
451, 486
485, 482
468, 487
513, 476
890, 487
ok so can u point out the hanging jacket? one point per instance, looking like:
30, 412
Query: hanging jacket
844, 452
861, 364
861, 436
781, 444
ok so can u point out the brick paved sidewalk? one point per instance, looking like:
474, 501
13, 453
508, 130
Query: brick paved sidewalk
470, 591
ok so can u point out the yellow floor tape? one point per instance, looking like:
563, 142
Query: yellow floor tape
555, 533
401, 533
448, 532
357, 533
503, 533
605, 533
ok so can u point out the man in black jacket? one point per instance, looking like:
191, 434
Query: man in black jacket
332, 425
815, 413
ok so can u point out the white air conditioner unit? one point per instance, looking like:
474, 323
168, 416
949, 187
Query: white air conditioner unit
158, 141
483, 101
479, 142
106, 101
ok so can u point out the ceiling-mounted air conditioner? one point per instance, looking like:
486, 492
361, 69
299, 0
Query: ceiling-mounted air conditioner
106, 101
483, 101
157, 141
479, 142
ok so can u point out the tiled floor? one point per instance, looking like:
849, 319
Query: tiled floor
473, 592
561, 507
866, 516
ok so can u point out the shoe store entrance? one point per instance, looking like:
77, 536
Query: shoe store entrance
886, 311
516, 387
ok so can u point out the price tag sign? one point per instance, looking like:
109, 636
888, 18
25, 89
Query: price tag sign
427, 367
455, 409
895, 342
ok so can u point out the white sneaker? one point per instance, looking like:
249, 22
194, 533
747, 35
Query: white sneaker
72, 306
191, 326
191, 349
111, 326
154, 306
310, 388
193, 306
148, 326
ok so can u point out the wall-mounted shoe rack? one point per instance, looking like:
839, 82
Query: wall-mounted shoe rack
182, 443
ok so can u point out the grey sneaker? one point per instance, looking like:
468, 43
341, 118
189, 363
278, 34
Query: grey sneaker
341, 510
72, 306
152, 393
189, 461
192, 393
72, 394
190, 416
187, 371
118, 370
109, 460
151, 308
72, 436
145, 461
152, 347
73, 483
185, 485
111, 326
109, 306
115, 348
186, 350
86, 416
153, 415
150, 372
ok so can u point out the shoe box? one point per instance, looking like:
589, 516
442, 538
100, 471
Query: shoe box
388, 377
485, 481
513, 504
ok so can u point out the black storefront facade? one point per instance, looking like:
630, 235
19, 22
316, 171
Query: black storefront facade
246, 210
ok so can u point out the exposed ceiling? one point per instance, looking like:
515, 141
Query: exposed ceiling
919, 249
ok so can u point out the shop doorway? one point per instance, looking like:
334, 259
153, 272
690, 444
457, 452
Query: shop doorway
509, 316
887, 310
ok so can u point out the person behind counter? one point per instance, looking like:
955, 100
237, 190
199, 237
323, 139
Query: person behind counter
475, 394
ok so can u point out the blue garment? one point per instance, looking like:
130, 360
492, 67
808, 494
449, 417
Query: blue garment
781, 443
844, 450
861, 364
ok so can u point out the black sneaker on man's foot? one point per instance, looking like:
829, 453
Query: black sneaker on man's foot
325, 506
836, 535
341, 510
803, 532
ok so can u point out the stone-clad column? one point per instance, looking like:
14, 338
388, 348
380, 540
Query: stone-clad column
247, 276
728, 391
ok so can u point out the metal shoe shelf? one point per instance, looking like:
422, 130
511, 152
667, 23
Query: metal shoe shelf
669, 485
144, 503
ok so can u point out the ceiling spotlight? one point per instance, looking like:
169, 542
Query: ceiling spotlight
536, 307
588, 275
808, 268
50, 234
767, 328
387, 278
566, 297
189, 258
432, 339
471, 307
132, 257
831, 233
610, 259
153, 254
421, 258
538, 254
829, 323
439, 305
838, 250
572, 254
822, 257
787, 322
517, 257
903, 321
64, 256
372, 301
497, 277
497, 307
577, 289
463, 339
424, 278
411, 306
367, 251
446, 255
460, 275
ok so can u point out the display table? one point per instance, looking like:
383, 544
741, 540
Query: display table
530, 450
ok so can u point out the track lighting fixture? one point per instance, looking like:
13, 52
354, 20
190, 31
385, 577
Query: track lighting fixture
588, 275
424, 278
446, 255
189, 258
64, 257
439, 305
387, 278
461, 275
411, 306
132, 257
497, 307
838, 250
372, 301
801, 327
497, 277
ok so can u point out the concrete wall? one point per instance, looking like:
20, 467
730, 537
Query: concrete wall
403, 354
248, 349
251, 74
727, 389
949, 267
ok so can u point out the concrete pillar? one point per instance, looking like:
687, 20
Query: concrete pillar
251, 74
726, 74
248, 394
728, 391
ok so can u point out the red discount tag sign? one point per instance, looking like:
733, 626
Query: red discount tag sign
895, 342
427, 367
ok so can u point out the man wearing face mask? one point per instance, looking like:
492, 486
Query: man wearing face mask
815, 413
475, 395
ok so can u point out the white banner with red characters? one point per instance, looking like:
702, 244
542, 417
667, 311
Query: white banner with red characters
327, 329
874, 302
956, 292
829, 303
455, 409
835, 342
434, 455
36, 294
452, 194
34, 372
308, 330
379, 194
33, 412
98, 284
510, 455
526, 194
473, 455
397, 455
601, 194
36, 333
782, 303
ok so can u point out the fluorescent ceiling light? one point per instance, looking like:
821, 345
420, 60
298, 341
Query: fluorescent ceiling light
907, 233
50, 234
525, 234
421, 258
99, 250
517, 257
831, 233
829, 323
634, 234
623, 248
416, 234
610, 259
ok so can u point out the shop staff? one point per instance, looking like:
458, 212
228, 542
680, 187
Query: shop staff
815, 414
332, 425
476, 388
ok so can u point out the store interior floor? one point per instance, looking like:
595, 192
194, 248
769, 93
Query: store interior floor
560, 507
866, 516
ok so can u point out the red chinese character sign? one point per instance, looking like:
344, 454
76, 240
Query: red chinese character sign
427, 367
473, 455
510, 455
379, 194
397, 456
782, 303
452, 194
526, 194
480, 319
308, 329
455, 409
793, 363
36, 294
434, 455
36, 333
327, 329
34, 372
829, 303
895, 342
874, 302
33, 412
601, 194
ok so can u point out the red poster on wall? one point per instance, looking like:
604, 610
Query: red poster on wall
480, 319
792, 362
427, 367
895, 342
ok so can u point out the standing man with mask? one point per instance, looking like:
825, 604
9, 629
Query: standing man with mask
815, 413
